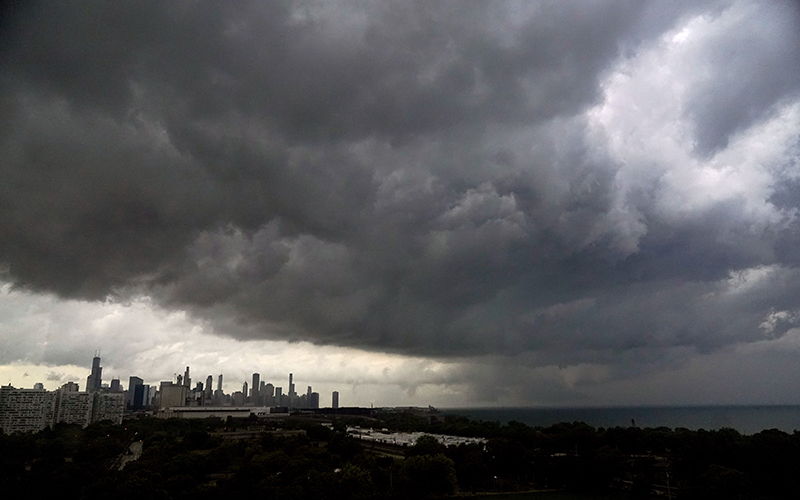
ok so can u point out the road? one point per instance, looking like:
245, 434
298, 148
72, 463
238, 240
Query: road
135, 450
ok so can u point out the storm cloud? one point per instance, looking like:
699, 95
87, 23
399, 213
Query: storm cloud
565, 183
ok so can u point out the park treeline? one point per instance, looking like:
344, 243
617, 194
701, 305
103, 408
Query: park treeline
199, 459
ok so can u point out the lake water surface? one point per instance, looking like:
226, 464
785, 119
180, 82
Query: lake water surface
554, 495
745, 419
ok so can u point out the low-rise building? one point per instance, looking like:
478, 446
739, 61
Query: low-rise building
222, 412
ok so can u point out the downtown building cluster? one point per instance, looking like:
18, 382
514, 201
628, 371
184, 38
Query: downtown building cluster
258, 393
32, 410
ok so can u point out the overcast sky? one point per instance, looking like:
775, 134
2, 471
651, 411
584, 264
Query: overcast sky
464, 203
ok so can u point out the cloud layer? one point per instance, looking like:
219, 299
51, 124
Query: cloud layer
558, 183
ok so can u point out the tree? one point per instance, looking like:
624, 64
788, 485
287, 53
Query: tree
426, 445
720, 482
428, 475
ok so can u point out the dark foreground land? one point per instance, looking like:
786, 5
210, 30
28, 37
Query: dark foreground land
298, 458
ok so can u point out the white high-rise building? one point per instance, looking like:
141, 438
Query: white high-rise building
25, 410
32, 410
73, 407
108, 406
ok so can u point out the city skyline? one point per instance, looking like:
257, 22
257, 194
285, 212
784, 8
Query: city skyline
34, 409
262, 394
96, 380
500, 203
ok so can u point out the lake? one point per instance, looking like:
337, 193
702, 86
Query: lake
745, 419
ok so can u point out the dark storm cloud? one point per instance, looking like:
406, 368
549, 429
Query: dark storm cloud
756, 67
420, 179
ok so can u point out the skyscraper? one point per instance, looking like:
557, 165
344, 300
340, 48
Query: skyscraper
291, 400
141, 397
335, 399
218, 394
95, 380
269, 395
254, 390
238, 398
129, 394
187, 381
172, 394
